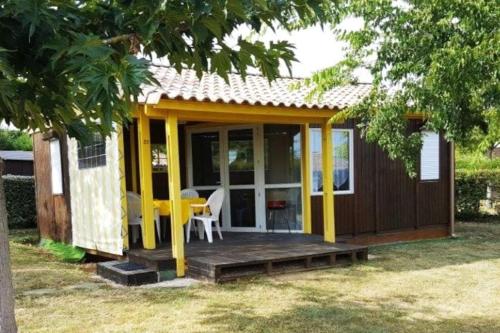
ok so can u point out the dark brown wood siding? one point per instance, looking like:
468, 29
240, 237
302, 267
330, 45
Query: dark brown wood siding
20, 168
53, 211
385, 199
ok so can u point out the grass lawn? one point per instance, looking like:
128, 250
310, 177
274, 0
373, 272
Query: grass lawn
450, 285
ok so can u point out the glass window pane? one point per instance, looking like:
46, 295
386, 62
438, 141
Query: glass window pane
316, 161
240, 157
206, 159
243, 208
341, 160
284, 209
282, 153
159, 157
92, 153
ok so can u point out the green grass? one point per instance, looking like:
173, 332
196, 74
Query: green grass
450, 285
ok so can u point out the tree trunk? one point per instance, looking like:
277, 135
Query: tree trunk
7, 316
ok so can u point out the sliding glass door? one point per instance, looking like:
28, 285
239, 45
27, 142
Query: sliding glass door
259, 168
283, 192
225, 157
241, 177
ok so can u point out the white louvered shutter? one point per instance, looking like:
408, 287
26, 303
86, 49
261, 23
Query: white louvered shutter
429, 156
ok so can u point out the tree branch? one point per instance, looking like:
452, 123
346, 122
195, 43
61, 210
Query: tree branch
118, 39
132, 38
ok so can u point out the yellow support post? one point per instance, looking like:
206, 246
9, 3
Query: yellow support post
133, 157
123, 188
174, 178
306, 178
145, 170
328, 198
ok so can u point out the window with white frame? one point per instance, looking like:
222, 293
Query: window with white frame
92, 153
429, 156
56, 167
343, 169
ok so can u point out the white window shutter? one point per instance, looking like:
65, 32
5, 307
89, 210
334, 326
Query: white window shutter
429, 156
56, 168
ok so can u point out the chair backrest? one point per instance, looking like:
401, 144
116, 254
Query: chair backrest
189, 193
133, 206
215, 202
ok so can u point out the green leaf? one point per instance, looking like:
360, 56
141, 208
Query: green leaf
213, 25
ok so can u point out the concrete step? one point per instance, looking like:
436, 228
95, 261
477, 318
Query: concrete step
127, 273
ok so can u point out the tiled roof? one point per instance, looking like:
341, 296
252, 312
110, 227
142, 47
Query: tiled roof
16, 155
255, 90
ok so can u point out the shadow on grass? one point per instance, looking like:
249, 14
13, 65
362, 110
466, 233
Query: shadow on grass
24, 236
473, 243
328, 316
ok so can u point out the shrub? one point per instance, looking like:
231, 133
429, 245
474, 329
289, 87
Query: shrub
471, 188
478, 163
20, 200
15, 140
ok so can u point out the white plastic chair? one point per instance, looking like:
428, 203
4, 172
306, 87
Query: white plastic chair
214, 205
189, 193
134, 215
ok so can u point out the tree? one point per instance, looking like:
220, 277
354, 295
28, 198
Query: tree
15, 140
74, 65
7, 318
437, 58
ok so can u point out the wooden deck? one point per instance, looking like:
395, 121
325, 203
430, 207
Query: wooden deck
246, 254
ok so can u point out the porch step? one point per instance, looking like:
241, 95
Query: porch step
158, 260
127, 273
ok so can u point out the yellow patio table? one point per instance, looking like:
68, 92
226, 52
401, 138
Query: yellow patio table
164, 207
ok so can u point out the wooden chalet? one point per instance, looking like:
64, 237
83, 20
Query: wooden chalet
261, 143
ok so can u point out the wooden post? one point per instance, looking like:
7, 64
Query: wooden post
452, 188
328, 200
123, 188
306, 178
7, 315
133, 157
174, 178
145, 170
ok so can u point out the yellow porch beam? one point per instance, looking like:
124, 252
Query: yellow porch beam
328, 197
189, 115
174, 178
229, 108
123, 188
306, 178
133, 157
145, 170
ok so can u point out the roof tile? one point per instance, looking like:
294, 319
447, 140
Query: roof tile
255, 90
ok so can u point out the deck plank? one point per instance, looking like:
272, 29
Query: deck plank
243, 254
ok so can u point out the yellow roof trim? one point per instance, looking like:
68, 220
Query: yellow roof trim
243, 109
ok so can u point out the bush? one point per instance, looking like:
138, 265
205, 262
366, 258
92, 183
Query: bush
15, 140
20, 199
471, 188
477, 163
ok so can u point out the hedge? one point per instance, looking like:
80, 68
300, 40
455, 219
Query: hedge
471, 188
20, 199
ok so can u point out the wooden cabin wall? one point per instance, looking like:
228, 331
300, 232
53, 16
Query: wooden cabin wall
19, 168
53, 211
386, 201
